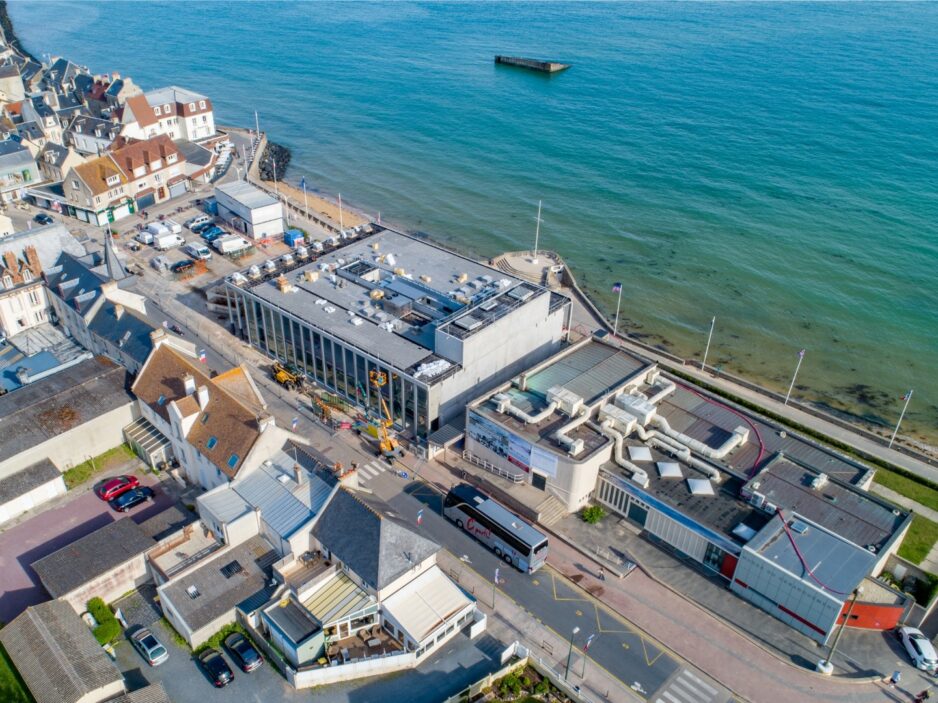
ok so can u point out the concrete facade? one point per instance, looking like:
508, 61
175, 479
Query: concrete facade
250, 210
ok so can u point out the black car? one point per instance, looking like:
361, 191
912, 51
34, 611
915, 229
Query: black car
216, 667
43, 219
242, 652
182, 266
125, 501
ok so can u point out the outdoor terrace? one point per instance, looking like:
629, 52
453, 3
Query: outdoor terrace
369, 644
176, 556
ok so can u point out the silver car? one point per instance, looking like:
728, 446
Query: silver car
149, 647
919, 648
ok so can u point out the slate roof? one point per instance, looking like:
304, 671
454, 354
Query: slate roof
13, 155
376, 546
130, 333
91, 556
74, 282
9, 70
25, 480
232, 424
56, 654
217, 592
50, 241
54, 154
154, 693
30, 130
88, 125
168, 521
61, 402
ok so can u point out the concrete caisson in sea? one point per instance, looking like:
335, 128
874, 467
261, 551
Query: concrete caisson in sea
533, 64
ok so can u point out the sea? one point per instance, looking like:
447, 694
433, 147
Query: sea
772, 165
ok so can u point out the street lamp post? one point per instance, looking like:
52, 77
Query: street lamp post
825, 666
703, 365
570, 652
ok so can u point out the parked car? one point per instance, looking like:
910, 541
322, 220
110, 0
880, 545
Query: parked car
216, 667
198, 251
113, 487
242, 652
213, 231
198, 229
183, 266
149, 647
196, 222
43, 219
919, 648
133, 497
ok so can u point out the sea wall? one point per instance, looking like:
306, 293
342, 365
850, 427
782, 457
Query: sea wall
9, 34
273, 162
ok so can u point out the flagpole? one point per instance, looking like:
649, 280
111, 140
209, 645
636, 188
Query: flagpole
908, 397
341, 218
276, 188
795, 375
537, 232
305, 201
703, 365
615, 326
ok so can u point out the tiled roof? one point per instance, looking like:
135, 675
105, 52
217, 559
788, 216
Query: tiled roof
238, 382
91, 556
96, 172
144, 152
141, 110
374, 545
233, 426
56, 654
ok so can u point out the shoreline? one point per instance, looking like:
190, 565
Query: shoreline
833, 402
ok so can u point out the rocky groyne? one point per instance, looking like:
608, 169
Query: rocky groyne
6, 24
273, 162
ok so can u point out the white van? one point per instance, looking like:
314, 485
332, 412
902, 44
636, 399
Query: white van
198, 221
173, 226
157, 228
144, 237
168, 240
197, 251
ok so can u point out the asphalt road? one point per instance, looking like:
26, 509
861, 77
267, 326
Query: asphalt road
636, 660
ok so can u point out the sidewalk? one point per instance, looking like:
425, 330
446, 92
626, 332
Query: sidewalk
702, 639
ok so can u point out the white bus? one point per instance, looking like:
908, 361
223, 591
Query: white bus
499, 529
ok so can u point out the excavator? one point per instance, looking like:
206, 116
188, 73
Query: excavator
288, 376
378, 427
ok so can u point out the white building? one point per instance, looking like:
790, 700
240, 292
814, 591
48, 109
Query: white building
174, 111
250, 210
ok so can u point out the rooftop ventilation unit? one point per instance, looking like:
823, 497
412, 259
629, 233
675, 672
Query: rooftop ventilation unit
568, 401
819, 481
520, 293
700, 487
489, 305
800, 527
621, 420
270, 266
502, 402
636, 406
757, 500
640, 478
468, 323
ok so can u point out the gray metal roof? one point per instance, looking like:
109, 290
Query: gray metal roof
248, 195
56, 654
293, 620
377, 547
589, 371
91, 556
36, 412
50, 241
837, 564
224, 504
218, 593
168, 521
25, 480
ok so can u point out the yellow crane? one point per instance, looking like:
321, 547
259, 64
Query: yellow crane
379, 427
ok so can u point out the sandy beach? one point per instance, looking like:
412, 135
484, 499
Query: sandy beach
320, 206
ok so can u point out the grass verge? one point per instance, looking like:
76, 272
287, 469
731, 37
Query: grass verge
77, 475
922, 535
921, 493
12, 688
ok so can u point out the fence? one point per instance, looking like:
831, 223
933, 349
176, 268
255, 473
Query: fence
473, 459
373, 666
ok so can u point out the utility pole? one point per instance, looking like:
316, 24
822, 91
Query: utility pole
276, 188
907, 397
617, 288
797, 367
825, 666
537, 232
703, 365
566, 671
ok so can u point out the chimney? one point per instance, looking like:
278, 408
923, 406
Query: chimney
22, 375
188, 383
299, 474
158, 336
108, 287
202, 395
265, 421
118, 311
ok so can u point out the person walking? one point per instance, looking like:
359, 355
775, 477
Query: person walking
602, 574
894, 679
922, 697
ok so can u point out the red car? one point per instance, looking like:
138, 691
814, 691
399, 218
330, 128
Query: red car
113, 487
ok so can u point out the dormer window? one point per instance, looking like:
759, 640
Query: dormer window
170, 158
78, 128
166, 108
157, 111
113, 180
27, 275
8, 281
201, 104
191, 107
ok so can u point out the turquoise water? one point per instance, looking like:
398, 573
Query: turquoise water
774, 165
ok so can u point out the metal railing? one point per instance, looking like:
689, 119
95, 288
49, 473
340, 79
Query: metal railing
488, 466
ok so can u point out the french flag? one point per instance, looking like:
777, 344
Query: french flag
202, 356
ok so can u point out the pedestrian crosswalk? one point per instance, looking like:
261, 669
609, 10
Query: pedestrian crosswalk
688, 687
372, 470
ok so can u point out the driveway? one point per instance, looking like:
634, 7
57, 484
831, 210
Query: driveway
50, 530
462, 662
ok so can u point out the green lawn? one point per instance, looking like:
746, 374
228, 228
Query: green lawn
12, 688
77, 475
913, 490
922, 535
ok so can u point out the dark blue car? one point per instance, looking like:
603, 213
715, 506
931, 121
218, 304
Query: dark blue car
210, 235
136, 496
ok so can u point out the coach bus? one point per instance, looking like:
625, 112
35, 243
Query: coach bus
499, 529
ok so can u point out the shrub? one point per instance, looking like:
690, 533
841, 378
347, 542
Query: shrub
99, 610
593, 514
108, 631
215, 640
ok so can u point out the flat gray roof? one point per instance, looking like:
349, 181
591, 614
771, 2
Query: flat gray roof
248, 195
834, 562
25, 480
436, 286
